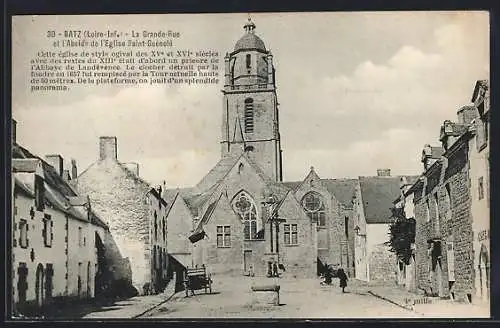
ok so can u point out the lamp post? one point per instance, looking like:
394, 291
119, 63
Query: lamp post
274, 221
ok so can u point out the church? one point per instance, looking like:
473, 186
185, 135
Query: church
241, 216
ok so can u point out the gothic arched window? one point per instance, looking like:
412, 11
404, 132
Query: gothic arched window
246, 209
315, 207
249, 115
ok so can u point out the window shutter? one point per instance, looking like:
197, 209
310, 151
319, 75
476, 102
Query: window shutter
14, 242
27, 242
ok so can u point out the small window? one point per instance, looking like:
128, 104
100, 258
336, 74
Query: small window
23, 234
346, 226
480, 186
155, 225
427, 211
436, 206
290, 234
223, 236
249, 61
39, 193
164, 227
80, 236
448, 200
47, 233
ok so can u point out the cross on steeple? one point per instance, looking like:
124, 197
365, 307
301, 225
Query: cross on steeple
249, 26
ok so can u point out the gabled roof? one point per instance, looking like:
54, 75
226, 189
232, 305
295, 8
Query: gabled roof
217, 173
198, 232
58, 192
378, 194
342, 189
292, 185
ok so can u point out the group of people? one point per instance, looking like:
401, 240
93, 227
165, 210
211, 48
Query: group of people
330, 273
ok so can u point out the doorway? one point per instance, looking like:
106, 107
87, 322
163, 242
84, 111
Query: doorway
484, 274
247, 261
39, 285
22, 283
89, 291
439, 278
49, 284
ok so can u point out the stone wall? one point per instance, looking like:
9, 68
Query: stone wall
299, 260
447, 227
227, 259
382, 264
118, 196
265, 153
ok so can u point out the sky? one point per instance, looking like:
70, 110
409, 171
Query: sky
357, 92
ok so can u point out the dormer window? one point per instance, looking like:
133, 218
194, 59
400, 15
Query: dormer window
39, 193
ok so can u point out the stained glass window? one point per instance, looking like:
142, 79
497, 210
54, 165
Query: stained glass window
315, 208
246, 209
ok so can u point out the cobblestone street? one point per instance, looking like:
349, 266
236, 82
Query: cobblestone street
299, 298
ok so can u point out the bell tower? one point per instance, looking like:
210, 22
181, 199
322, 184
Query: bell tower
250, 121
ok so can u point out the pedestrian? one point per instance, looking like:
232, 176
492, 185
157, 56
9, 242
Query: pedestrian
343, 279
328, 276
275, 269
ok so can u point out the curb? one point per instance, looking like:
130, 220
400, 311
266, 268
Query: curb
155, 306
409, 308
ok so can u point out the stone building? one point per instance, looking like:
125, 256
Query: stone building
407, 271
228, 221
479, 167
129, 204
452, 208
158, 237
373, 201
57, 240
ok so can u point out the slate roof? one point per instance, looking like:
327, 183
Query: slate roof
437, 152
249, 41
292, 185
58, 192
342, 189
217, 173
378, 194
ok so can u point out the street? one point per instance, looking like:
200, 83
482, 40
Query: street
299, 298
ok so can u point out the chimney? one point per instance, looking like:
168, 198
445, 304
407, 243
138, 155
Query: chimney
134, 167
74, 172
467, 114
108, 148
14, 132
57, 162
66, 177
383, 172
